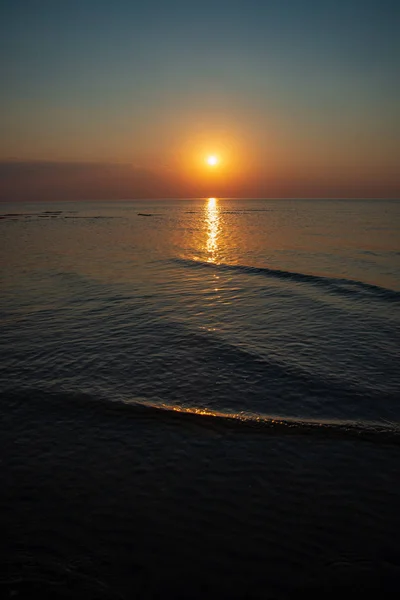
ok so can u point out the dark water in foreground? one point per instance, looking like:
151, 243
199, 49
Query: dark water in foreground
200, 402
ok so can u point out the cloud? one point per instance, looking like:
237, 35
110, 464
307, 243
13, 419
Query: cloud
46, 180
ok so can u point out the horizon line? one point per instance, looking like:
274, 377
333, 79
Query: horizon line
167, 198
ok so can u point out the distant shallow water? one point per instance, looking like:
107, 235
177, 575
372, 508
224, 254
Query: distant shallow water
153, 369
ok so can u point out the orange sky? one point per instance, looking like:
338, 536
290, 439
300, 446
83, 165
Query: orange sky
296, 99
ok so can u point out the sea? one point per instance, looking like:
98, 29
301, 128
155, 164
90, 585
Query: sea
200, 398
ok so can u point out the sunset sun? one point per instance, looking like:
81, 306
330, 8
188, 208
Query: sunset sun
212, 160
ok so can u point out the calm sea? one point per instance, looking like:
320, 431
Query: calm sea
200, 397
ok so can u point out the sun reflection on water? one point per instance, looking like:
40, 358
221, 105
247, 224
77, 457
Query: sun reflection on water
212, 222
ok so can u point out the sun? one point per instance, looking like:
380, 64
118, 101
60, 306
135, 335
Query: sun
212, 160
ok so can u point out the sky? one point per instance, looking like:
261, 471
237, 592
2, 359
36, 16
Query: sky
110, 99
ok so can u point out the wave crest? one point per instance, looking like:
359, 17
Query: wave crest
333, 284
78, 404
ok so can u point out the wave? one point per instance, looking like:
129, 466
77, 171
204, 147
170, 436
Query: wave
76, 404
334, 284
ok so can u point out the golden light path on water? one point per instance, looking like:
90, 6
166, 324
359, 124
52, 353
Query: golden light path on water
213, 228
